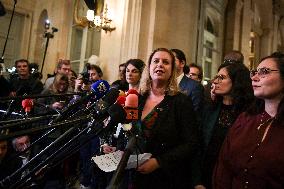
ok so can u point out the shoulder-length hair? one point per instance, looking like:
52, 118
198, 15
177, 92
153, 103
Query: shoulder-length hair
242, 91
137, 63
59, 77
146, 80
258, 105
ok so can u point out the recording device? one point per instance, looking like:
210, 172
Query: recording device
34, 71
27, 105
131, 113
131, 107
54, 29
98, 90
105, 109
85, 74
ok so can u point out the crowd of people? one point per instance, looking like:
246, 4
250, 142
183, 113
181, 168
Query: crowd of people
227, 134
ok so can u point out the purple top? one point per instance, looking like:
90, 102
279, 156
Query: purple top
246, 162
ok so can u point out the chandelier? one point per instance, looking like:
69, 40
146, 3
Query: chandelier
99, 20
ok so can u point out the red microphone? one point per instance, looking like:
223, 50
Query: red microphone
27, 104
132, 91
121, 100
131, 107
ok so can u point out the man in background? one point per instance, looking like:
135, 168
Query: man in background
63, 67
192, 88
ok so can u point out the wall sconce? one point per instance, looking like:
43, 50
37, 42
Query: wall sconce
100, 22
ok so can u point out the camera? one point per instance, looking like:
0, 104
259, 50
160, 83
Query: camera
85, 78
85, 74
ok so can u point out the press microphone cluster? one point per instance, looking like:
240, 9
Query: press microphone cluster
67, 143
98, 90
129, 102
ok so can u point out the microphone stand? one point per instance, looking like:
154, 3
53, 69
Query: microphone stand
7, 36
38, 96
12, 178
56, 156
47, 35
118, 175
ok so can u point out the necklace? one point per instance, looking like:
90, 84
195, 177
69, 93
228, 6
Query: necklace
267, 122
263, 122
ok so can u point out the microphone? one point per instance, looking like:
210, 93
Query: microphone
98, 90
117, 115
132, 91
27, 105
131, 107
121, 100
131, 111
10, 108
103, 104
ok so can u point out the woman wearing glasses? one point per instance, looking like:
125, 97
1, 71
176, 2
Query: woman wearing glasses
232, 92
252, 155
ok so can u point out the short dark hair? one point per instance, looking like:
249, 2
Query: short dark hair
21, 60
179, 55
97, 68
186, 69
137, 63
200, 75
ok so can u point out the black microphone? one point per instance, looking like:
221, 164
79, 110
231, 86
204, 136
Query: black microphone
9, 110
98, 90
102, 105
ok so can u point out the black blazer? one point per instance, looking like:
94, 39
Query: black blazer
174, 141
194, 90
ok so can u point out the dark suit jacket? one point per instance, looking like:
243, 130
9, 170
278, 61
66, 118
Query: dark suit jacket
174, 141
210, 114
194, 90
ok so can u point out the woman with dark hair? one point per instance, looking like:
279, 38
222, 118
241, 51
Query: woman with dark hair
252, 155
134, 69
133, 72
167, 125
232, 91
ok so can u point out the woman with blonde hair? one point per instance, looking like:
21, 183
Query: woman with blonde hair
59, 86
167, 125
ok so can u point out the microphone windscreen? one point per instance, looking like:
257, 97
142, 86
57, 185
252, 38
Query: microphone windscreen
132, 91
111, 96
131, 101
103, 104
117, 113
100, 88
121, 100
27, 104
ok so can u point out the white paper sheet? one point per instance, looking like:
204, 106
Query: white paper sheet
109, 162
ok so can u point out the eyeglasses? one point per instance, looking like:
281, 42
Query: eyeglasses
219, 78
262, 72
